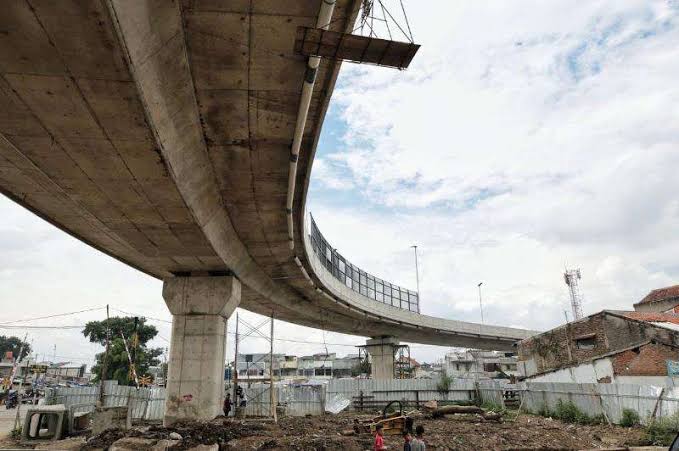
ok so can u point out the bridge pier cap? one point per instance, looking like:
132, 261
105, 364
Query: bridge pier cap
381, 351
200, 307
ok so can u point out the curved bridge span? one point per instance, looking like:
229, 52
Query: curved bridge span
178, 137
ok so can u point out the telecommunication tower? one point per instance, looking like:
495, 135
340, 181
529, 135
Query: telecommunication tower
571, 277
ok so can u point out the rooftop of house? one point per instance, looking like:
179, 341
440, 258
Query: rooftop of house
651, 317
661, 294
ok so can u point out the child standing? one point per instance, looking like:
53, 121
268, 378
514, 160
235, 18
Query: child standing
418, 442
379, 439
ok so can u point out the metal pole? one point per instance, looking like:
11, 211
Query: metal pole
417, 279
480, 301
271, 387
236, 402
20, 392
104, 367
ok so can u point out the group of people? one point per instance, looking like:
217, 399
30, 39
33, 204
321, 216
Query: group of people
410, 443
241, 397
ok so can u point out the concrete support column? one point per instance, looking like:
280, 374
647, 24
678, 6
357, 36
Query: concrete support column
382, 352
200, 307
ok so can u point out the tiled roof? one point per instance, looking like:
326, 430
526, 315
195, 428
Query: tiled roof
652, 317
661, 294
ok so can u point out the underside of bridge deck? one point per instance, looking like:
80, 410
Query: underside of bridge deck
160, 133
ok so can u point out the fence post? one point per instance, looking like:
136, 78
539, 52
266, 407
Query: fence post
657, 403
601, 404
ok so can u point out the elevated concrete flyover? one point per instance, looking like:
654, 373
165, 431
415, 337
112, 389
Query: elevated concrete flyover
174, 136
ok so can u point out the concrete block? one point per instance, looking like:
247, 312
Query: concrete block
109, 418
44, 423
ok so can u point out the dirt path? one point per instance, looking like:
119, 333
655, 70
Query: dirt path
6, 420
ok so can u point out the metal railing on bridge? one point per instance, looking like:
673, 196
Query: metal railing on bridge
358, 280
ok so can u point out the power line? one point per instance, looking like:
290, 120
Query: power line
144, 316
8, 325
50, 316
40, 327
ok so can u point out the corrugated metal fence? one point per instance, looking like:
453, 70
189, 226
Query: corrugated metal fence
594, 399
412, 392
145, 403
303, 400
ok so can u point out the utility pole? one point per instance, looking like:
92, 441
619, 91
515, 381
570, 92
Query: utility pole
104, 367
480, 301
417, 279
165, 366
236, 402
271, 386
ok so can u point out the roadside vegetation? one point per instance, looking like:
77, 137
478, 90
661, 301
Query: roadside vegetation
661, 431
568, 412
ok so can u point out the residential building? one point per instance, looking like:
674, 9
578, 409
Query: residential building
405, 367
476, 364
286, 367
609, 346
256, 366
316, 366
347, 366
661, 300
63, 371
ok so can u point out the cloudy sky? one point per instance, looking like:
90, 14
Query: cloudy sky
524, 138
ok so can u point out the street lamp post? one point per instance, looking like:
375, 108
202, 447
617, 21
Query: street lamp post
417, 279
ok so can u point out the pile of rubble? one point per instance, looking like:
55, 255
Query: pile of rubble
460, 430
215, 434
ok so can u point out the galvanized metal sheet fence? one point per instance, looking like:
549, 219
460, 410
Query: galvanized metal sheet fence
412, 391
301, 400
145, 403
609, 400
594, 399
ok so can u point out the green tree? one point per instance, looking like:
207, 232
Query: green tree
118, 366
13, 344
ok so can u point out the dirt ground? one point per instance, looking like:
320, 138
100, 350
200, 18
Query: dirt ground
325, 433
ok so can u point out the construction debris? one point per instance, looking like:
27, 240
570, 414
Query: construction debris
482, 413
330, 432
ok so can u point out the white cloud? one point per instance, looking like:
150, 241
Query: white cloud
524, 137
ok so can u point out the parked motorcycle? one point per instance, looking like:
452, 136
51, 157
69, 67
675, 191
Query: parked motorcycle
12, 399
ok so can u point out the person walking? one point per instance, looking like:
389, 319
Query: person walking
227, 404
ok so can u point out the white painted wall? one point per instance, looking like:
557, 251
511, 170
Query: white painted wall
586, 373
